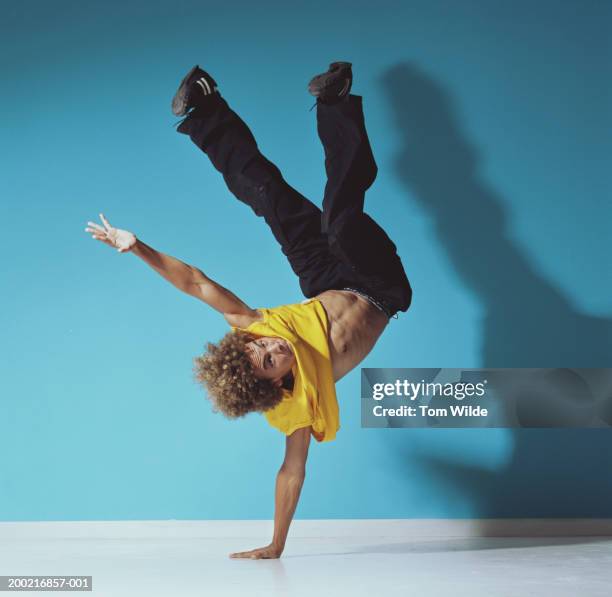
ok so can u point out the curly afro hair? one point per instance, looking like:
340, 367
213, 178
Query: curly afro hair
226, 373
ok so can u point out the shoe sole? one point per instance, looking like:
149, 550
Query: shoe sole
179, 101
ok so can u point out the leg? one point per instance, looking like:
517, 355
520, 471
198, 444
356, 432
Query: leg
351, 170
295, 222
353, 235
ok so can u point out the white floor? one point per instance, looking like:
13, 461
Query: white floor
192, 563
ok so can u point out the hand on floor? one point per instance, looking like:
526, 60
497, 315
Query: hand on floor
261, 553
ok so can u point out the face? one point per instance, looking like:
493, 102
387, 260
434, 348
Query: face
272, 358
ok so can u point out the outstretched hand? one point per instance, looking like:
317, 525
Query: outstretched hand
268, 552
122, 240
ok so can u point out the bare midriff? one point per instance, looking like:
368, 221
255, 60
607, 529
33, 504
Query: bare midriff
355, 325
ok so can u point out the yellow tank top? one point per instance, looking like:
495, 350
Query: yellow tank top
312, 402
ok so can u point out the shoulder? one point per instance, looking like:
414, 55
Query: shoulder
244, 320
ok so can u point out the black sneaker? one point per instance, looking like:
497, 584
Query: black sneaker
195, 83
333, 85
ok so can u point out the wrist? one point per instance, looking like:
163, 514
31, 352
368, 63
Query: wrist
278, 545
137, 247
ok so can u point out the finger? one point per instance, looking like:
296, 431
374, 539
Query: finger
258, 554
95, 232
95, 226
240, 554
105, 222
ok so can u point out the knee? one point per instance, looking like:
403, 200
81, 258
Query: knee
248, 190
363, 169
371, 173
241, 185
368, 167
253, 182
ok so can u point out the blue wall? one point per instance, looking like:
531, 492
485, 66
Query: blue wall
491, 125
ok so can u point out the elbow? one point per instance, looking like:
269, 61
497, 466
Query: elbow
293, 474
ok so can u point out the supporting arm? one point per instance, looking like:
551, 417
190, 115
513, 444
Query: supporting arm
289, 482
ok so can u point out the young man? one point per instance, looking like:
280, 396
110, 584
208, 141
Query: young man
285, 361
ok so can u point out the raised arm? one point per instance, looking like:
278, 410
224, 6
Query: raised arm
185, 277
289, 483
193, 281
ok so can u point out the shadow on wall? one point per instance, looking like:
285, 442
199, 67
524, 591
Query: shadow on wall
528, 322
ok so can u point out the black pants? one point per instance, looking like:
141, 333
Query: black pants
336, 248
